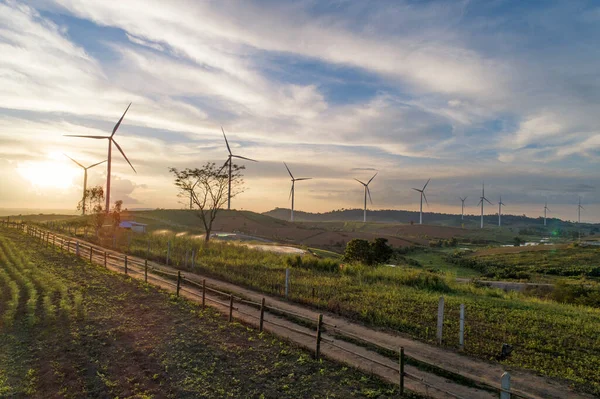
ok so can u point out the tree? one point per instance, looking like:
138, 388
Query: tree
207, 187
518, 241
115, 214
369, 253
95, 196
381, 252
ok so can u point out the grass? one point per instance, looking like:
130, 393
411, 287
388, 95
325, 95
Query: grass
123, 338
430, 259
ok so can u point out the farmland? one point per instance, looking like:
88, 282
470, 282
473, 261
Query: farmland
71, 329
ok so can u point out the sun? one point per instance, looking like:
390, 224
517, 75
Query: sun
48, 174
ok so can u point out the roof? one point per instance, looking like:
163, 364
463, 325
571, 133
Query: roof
129, 224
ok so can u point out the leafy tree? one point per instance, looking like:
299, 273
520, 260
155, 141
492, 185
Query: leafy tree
95, 196
369, 253
207, 187
518, 241
381, 252
115, 214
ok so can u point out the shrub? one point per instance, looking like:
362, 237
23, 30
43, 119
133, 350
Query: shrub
369, 253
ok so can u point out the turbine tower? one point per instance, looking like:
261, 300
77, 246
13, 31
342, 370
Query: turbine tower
85, 169
367, 191
462, 209
229, 163
546, 209
292, 191
500, 204
111, 140
482, 198
422, 191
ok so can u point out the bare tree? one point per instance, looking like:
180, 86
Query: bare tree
208, 188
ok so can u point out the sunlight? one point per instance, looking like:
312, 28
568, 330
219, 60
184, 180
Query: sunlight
49, 174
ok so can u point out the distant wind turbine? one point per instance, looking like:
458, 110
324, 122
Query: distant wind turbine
229, 163
111, 140
500, 204
579, 208
462, 209
482, 198
546, 209
85, 170
367, 191
422, 191
293, 190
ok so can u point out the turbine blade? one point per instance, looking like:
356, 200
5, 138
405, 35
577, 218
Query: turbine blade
426, 184
248, 159
488, 201
119, 122
226, 142
74, 161
124, 156
372, 177
424, 196
369, 192
96, 164
86, 137
416, 189
288, 169
222, 167
479, 203
360, 182
303, 178
548, 209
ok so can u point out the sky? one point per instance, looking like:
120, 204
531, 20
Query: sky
501, 92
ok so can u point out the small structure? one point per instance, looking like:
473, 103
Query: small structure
133, 226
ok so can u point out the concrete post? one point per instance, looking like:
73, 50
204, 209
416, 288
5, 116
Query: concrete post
440, 320
461, 337
505, 385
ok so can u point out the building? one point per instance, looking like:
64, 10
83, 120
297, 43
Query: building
133, 226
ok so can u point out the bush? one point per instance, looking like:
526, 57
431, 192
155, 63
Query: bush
369, 253
312, 263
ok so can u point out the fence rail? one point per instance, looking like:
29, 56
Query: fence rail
133, 265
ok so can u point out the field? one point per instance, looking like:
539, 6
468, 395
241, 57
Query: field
70, 329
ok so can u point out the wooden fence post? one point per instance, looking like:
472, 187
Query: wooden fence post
77, 248
125, 264
461, 337
401, 370
231, 307
91, 253
318, 344
178, 282
440, 320
146, 270
203, 292
505, 385
262, 315
287, 281
105, 264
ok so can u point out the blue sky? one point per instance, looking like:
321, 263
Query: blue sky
505, 92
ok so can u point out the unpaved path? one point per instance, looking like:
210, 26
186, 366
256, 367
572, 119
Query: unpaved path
484, 372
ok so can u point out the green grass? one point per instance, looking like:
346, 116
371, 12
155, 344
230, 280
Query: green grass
436, 260
326, 254
123, 338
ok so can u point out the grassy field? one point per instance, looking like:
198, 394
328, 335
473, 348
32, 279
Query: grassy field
70, 329
536, 263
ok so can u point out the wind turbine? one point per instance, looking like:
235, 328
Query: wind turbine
292, 191
229, 163
422, 191
500, 204
367, 191
462, 209
85, 169
482, 198
546, 209
579, 208
111, 140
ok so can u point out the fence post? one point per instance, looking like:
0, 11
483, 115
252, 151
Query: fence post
401, 370
461, 337
231, 307
168, 251
146, 270
125, 264
505, 385
54, 240
287, 281
47, 239
77, 248
440, 320
105, 264
318, 346
203, 292
178, 282
91, 253
148, 250
193, 258
262, 315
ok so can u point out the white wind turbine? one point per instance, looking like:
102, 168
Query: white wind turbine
111, 141
462, 208
500, 204
482, 198
229, 163
422, 191
546, 209
367, 191
293, 190
85, 175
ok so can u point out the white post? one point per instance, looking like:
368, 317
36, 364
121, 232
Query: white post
287, 281
77, 248
461, 337
440, 321
505, 385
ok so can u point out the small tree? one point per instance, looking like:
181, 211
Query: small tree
358, 250
115, 214
95, 196
518, 241
207, 187
381, 252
